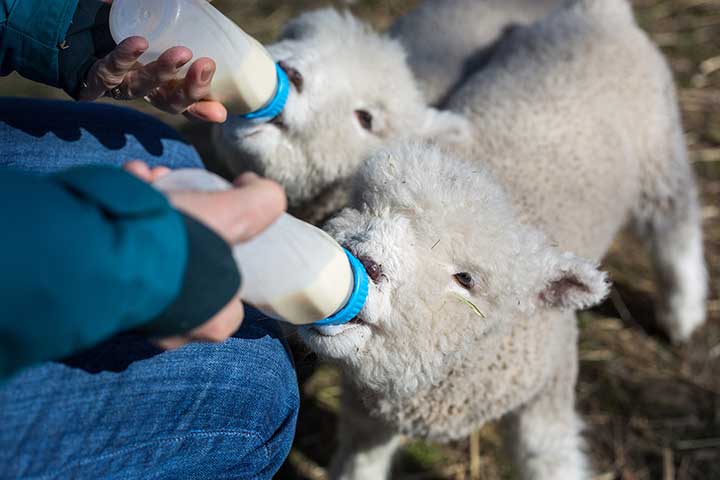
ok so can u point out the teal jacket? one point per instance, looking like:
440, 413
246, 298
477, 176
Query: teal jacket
31, 33
93, 251
53, 41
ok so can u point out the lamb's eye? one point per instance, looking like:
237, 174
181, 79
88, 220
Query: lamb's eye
365, 118
465, 280
294, 76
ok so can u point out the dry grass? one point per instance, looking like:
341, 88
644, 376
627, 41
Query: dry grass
653, 412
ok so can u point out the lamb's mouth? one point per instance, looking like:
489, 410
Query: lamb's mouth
335, 330
252, 132
278, 122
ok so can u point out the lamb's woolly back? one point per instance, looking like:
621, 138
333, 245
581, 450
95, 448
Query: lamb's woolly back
464, 34
579, 96
608, 12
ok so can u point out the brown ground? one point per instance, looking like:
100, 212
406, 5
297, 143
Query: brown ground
653, 412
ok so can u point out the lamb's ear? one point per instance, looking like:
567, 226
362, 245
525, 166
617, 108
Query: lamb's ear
573, 283
446, 125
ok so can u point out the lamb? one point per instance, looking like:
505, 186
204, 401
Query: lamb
354, 91
447, 41
575, 130
471, 318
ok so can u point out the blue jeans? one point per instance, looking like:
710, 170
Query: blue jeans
124, 409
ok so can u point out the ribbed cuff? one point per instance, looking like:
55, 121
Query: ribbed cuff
210, 281
87, 41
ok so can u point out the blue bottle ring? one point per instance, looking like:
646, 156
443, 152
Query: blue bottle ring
273, 108
359, 294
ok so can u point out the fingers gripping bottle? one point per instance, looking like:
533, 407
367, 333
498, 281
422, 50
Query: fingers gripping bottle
247, 79
292, 271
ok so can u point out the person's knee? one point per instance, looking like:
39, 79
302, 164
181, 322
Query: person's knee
88, 133
252, 389
158, 143
238, 399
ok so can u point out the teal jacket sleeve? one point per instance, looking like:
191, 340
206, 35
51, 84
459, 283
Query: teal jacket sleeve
55, 42
94, 251
31, 32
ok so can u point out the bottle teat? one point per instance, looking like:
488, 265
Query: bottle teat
292, 271
357, 298
275, 106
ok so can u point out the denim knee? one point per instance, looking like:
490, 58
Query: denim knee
43, 136
253, 384
215, 411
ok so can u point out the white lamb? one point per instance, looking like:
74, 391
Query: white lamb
470, 317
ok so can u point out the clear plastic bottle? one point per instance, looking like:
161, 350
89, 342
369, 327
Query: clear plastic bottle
247, 79
292, 271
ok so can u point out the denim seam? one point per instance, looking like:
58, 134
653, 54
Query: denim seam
229, 433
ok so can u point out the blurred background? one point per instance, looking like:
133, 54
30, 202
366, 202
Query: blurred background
652, 411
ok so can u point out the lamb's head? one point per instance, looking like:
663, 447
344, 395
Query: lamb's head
452, 269
351, 91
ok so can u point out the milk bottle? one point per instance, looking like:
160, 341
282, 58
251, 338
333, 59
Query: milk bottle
292, 271
247, 79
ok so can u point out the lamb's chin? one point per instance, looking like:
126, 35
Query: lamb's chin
336, 342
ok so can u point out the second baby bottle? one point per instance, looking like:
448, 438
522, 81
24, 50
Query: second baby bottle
292, 271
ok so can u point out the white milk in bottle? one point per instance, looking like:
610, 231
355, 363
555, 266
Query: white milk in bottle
292, 271
247, 79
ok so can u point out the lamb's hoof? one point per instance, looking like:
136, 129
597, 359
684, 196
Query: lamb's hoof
680, 327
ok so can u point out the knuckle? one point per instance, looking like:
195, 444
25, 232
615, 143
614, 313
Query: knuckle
107, 77
276, 194
220, 329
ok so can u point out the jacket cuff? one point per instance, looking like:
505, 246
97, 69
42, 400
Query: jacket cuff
31, 38
210, 281
88, 39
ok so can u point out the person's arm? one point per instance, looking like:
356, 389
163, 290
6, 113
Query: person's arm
32, 33
94, 251
67, 44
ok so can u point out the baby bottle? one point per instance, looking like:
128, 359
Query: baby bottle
292, 271
247, 79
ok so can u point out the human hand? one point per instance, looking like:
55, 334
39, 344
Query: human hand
237, 215
120, 76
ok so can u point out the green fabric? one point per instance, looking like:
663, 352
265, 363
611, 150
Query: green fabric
30, 34
84, 254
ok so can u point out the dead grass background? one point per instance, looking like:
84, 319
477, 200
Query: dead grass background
652, 411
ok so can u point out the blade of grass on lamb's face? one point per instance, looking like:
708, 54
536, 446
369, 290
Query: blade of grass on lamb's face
472, 306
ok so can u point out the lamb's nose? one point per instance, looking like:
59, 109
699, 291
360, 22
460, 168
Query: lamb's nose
372, 268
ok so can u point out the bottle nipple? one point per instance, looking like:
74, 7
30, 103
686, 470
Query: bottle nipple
357, 298
276, 104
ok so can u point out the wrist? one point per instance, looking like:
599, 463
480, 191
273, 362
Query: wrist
88, 40
211, 280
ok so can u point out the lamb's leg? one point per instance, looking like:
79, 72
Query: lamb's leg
544, 436
676, 246
366, 445
669, 220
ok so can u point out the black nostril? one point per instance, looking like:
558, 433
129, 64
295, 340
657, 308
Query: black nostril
372, 268
294, 76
